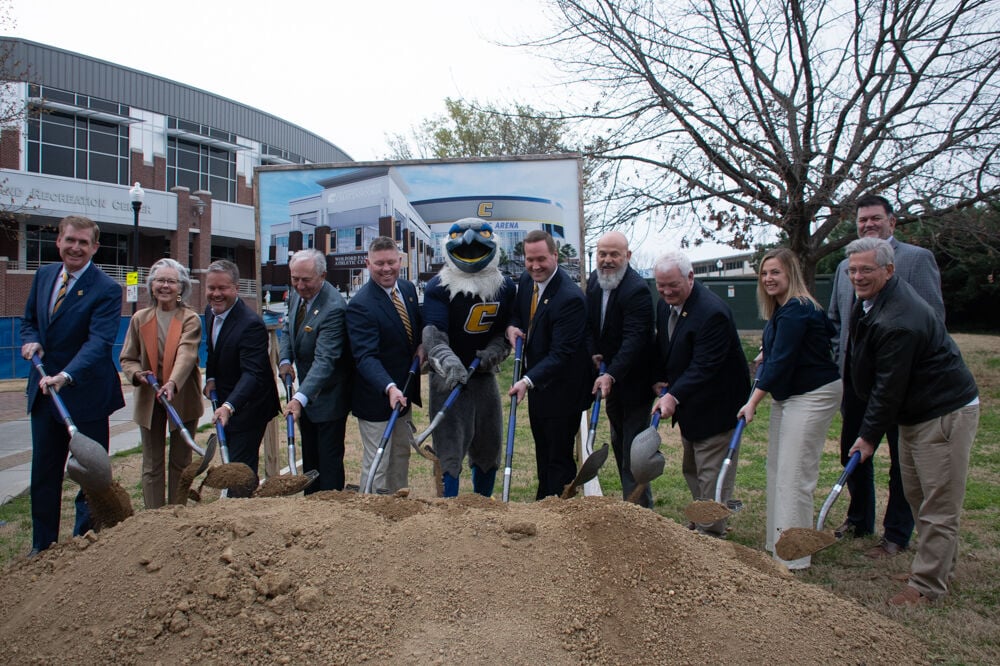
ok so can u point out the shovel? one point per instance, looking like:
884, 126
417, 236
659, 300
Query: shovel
207, 453
290, 427
418, 442
588, 470
797, 542
705, 511
89, 464
380, 451
292, 483
228, 476
645, 460
512, 421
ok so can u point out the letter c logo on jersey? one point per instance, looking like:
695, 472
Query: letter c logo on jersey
481, 317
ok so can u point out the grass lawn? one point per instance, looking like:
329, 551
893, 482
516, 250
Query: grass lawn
960, 629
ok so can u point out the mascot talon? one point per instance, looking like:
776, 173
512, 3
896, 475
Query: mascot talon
467, 308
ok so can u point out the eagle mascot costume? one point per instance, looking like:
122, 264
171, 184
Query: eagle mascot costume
467, 308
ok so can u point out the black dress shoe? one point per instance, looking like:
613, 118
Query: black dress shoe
847, 528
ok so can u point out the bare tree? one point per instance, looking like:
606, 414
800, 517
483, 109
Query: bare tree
743, 114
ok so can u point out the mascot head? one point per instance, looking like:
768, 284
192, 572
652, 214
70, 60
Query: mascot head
470, 245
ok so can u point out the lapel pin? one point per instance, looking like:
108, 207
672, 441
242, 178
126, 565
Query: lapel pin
308, 329
79, 292
315, 312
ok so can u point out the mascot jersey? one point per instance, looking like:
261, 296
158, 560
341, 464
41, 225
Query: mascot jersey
470, 321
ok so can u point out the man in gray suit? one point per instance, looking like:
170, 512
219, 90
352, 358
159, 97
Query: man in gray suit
314, 339
916, 266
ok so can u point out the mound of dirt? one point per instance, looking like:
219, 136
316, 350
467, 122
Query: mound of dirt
343, 578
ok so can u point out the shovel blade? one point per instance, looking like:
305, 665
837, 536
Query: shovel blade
646, 461
89, 464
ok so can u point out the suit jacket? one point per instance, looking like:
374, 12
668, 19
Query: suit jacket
240, 365
913, 264
320, 353
703, 363
555, 354
626, 340
141, 351
77, 339
382, 352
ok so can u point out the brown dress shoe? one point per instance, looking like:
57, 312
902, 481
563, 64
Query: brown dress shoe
884, 550
909, 596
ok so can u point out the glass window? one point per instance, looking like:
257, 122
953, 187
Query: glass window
198, 167
65, 144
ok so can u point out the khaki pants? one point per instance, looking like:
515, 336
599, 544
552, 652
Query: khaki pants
701, 465
394, 469
154, 444
934, 463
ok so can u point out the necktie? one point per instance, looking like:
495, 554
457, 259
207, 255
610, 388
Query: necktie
534, 304
401, 309
672, 324
216, 327
62, 292
300, 314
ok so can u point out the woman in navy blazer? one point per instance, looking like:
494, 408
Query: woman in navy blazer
800, 374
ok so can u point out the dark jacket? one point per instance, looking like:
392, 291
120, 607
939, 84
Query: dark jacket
241, 367
555, 356
798, 352
904, 363
382, 352
703, 363
626, 340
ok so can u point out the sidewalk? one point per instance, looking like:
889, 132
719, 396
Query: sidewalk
15, 437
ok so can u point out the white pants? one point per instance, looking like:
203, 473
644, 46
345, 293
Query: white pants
795, 442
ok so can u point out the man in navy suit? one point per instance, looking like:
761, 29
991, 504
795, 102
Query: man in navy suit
384, 326
916, 266
238, 367
315, 340
620, 326
71, 318
550, 313
701, 362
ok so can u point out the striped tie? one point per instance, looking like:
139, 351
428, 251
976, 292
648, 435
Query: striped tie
401, 309
300, 314
62, 292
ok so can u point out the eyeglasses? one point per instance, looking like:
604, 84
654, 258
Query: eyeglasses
864, 271
166, 281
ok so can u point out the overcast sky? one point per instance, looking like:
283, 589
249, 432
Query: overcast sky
350, 72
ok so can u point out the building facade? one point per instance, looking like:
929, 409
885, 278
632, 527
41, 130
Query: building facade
91, 129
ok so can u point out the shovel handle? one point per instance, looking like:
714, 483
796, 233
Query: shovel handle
654, 423
852, 463
447, 403
56, 400
512, 422
220, 432
596, 411
175, 418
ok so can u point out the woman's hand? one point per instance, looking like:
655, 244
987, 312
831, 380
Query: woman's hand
747, 412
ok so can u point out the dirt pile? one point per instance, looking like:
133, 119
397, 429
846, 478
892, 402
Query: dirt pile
342, 578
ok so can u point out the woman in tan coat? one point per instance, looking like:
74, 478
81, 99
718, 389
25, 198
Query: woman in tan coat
163, 340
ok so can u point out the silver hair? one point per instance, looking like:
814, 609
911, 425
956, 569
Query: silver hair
311, 253
670, 259
227, 267
182, 275
884, 254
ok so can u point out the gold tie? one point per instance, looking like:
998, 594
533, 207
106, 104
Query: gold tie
401, 309
62, 292
534, 304
300, 314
